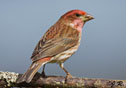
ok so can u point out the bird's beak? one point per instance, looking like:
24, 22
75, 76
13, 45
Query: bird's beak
87, 17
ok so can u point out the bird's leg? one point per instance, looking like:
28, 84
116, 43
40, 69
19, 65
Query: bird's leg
43, 71
68, 75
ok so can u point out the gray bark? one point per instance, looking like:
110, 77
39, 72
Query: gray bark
8, 79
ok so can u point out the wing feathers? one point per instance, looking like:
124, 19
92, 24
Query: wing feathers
53, 44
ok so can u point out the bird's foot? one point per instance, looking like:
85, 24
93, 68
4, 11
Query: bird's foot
68, 76
43, 74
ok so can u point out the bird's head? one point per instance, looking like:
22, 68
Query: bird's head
76, 18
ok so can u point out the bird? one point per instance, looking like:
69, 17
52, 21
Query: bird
58, 44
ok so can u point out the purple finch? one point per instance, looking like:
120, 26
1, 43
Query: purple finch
59, 43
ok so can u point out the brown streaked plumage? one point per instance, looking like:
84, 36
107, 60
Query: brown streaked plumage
58, 43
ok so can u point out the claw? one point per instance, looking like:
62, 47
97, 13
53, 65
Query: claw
68, 76
43, 74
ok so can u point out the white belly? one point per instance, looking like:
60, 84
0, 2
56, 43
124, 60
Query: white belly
60, 58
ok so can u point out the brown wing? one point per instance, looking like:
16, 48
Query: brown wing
55, 41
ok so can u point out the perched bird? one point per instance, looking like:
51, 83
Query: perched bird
59, 43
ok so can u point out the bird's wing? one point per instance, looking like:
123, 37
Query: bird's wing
51, 47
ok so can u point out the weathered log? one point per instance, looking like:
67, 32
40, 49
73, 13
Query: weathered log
8, 79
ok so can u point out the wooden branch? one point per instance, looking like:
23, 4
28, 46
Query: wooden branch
8, 79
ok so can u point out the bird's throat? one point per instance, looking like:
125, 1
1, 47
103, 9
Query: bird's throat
77, 24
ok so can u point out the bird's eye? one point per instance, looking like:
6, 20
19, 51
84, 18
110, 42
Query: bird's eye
78, 15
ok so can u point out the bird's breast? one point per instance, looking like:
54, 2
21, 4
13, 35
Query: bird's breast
61, 57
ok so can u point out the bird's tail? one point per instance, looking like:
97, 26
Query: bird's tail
27, 77
35, 66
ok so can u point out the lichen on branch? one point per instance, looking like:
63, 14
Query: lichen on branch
8, 79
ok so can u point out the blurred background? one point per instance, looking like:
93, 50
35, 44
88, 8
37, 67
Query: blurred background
102, 53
